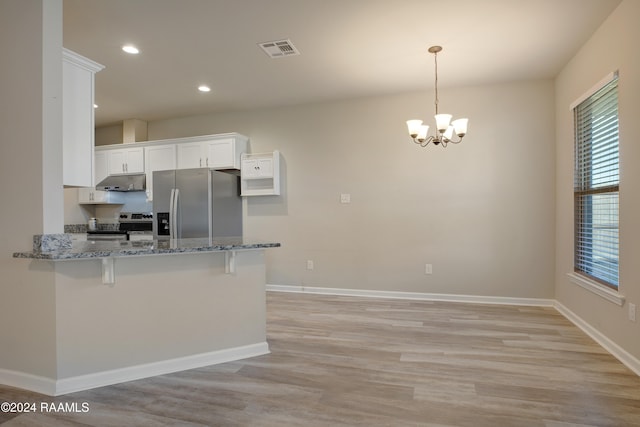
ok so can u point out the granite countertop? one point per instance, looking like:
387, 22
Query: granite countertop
105, 249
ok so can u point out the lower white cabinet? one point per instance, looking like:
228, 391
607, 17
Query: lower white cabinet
260, 174
91, 196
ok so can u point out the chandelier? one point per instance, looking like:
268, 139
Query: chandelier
445, 128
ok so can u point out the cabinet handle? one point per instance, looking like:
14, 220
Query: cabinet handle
200, 161
207, 162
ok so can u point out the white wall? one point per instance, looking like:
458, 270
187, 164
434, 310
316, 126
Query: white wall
612, 47
481, 212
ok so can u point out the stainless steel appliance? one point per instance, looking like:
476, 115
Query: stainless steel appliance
192, 203
139, 224
123, 182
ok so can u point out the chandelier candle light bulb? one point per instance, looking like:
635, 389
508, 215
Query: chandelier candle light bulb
445, 127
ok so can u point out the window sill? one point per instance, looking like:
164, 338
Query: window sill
598, 289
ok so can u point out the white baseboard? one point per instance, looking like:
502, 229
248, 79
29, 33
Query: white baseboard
618, 352
53, 387
474, 299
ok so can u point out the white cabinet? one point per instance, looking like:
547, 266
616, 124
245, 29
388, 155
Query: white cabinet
157, 158
260, 174
78, 77
101, 166
91, 196
218, 153
190, 155
126, 160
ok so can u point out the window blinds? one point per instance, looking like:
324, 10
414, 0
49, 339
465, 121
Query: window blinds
596, 185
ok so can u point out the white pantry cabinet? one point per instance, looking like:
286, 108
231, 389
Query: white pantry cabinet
158, 158
260, 174
126, 160
214, 153
78, 79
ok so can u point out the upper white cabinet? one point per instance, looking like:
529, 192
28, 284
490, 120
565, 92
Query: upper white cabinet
78, 80
158, 158
101, 164
260, 174
126, 160
214, 152
91, 196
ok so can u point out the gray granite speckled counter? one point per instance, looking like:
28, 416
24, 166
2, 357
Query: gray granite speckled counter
105, 249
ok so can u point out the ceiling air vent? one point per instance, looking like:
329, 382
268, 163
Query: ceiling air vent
279, 48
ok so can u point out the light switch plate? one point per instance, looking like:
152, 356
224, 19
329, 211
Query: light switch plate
345, 198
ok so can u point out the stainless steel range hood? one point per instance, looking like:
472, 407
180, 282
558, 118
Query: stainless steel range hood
124, 182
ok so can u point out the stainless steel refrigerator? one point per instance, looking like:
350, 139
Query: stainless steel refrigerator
193, 203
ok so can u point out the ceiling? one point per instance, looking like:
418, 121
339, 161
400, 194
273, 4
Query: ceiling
348, 48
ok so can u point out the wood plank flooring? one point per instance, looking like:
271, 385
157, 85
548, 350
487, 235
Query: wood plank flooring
349, 361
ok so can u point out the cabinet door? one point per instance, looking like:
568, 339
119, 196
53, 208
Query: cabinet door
158, 158
101, 166
77, 119
135, 160
190, 156
85, 195
91, 196
220, 154
126, 160
117, 161
257, 168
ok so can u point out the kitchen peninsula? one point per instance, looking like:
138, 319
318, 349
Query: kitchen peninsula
167, 306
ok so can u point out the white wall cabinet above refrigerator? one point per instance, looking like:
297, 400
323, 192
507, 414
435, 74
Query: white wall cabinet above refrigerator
260, 174
216, 153
158, 158
78, 78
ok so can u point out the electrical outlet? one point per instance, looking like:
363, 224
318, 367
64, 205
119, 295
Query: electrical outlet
632, 312
345, 198
428, 269
309, 264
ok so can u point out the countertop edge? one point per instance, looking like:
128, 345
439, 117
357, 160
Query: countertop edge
69, 255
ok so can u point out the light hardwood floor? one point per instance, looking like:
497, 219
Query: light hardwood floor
349, 361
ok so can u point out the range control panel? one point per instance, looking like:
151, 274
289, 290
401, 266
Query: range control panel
136, 217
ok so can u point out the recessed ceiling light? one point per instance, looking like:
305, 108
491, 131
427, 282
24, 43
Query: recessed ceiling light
130, 49
95, 105
204, 88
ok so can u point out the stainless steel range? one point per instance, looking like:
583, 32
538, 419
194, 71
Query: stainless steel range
138, 225
131, 226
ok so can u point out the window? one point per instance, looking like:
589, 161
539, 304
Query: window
596, 185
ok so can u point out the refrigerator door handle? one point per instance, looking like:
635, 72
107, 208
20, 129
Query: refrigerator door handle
171, 213
176, 197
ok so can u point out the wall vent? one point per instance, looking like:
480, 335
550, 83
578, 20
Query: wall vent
279, 48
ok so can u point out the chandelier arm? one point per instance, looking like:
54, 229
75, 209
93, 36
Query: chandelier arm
455, 142
425, 142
